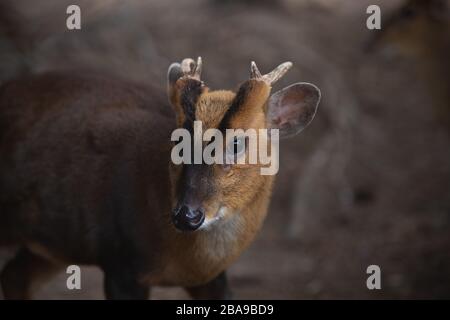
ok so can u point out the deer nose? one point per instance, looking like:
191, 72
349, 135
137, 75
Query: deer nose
186, 218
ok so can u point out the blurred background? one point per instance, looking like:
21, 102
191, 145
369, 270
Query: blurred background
367, 183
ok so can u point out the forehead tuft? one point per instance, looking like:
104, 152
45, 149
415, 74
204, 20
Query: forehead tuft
212, 106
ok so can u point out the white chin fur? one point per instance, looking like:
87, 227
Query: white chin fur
209, 222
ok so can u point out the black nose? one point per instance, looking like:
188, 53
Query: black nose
186, 218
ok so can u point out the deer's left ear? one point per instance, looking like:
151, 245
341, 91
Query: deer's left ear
291, 109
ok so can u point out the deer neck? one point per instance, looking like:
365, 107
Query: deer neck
195, 258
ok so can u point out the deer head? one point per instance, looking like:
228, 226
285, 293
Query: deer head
207, 194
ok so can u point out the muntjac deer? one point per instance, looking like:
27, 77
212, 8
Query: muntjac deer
86, 177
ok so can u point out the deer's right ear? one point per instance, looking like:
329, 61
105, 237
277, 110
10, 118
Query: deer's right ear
291, 109
173, 74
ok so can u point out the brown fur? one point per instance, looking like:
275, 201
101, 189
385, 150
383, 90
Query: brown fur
242, 189
86, 178
66, 140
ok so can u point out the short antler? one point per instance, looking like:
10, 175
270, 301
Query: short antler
191, 69
271, 77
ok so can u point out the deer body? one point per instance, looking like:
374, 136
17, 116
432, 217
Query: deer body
86, 178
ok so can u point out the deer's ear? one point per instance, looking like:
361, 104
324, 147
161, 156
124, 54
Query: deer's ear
291, 109
173, 74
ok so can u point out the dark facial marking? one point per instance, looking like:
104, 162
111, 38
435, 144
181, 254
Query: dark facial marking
189, 96
195, 183
235, 106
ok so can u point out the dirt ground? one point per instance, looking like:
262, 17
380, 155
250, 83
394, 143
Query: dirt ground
367, 183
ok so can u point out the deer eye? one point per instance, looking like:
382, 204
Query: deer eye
236, 146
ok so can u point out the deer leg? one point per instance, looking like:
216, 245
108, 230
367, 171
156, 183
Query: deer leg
22, 274
216, 289
124, 285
